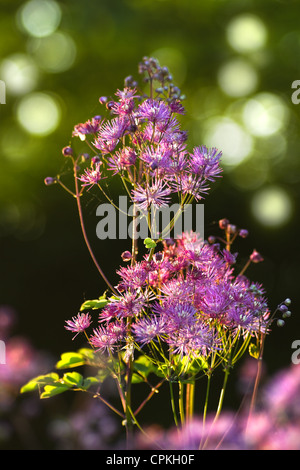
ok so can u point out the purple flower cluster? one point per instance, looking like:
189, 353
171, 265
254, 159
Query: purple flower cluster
181, 297
141, 140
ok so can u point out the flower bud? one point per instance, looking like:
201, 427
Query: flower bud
287, 301
231, 228
211, 239
283, 308
49, 180
110, 105
223, 223
287, 314
67, 151
95, 159
280, 322
255, 257
158, 256
126, 256
243, 233
103, 99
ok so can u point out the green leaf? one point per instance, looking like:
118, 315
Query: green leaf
70, 359
143, 366
89, 381
254, 350
136, 378
94, 304
149, 243
72, 379
29, 387
34, 384
52, 390
88, 354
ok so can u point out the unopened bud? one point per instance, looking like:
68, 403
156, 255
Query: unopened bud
158, 256
231, 228
223, 223
126, 256
287, 314
95, 159
256, 257
243, 233
49, 180
103, 99
283, 308
67, 151
280, 322
110, 105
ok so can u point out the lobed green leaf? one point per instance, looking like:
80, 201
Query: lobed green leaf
71, 359
52, 390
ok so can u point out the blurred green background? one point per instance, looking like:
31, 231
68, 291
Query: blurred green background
235, 60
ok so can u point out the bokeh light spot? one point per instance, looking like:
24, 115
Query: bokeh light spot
39, 18
229, 137
55, 53
265, 114
272, 206
237, 78
19, 73
38, 113
246, 33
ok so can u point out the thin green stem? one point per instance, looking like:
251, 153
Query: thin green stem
173, 404
181, 402
190, 397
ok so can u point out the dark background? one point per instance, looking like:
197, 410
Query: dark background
46, 272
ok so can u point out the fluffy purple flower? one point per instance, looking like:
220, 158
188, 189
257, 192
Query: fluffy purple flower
206, 162
147, 329
157, 157
192, 340
156, 195
89, 127
133, 277
177, 107
177, 314
105, 339
122, 159
110, 133
190, 184
92, 175
154, 110
79, 324
126, 102
216, 301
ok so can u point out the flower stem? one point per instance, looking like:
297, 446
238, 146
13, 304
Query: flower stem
190, 395
78, 195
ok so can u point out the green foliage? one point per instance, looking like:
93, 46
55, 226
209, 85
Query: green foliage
254, 350
76, 359
94, 304
52, 384
149, 243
